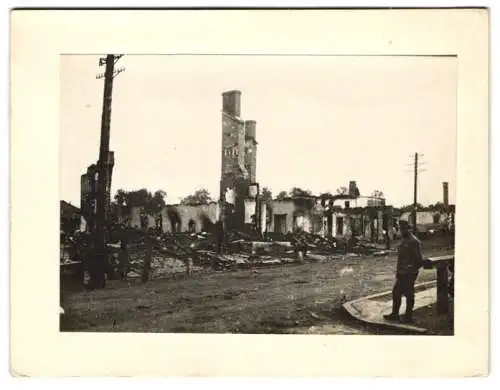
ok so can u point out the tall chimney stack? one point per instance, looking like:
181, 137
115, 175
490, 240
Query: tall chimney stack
445, 193
250, 130
231, 103
353, 188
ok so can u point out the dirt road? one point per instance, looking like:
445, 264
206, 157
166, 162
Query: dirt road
284, 299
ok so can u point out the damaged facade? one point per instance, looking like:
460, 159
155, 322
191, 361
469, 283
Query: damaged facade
238, 183
432, 219
177, 218
334, 217
428, 220
310, 214
88, 192
186, 218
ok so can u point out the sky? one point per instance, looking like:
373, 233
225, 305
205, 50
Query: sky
321, 122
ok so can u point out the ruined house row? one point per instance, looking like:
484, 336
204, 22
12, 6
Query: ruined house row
280, 217
289, 215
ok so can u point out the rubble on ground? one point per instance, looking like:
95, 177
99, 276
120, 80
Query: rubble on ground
174, 252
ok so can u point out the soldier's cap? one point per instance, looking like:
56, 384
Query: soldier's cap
403, 222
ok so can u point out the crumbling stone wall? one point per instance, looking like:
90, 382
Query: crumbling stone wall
346, 222
88, 190
135, 217
249, 210
233, 147
359, 222
280, 207
427, 217
203, 216
179, 218
238, 159
251, 150
380, 227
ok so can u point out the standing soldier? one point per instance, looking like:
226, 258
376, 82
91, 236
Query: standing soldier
410, 260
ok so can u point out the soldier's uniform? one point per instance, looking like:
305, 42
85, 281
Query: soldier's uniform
410, 260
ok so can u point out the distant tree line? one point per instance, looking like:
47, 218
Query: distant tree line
153, 202
201, 196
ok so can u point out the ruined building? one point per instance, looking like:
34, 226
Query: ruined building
343, 215
88, 191
238, 162
238, 204
433, 218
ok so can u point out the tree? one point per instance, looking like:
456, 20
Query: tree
297, 192
201, 196
152, 203
438, 206
121, 197
266, 195
138, 198
342, 190
157, 202
282, 195
410, 207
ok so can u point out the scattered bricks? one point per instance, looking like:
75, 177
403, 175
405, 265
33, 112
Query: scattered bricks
153, 255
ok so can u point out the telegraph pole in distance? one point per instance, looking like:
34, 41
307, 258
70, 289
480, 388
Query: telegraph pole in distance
99, 258
415, 178
416, 164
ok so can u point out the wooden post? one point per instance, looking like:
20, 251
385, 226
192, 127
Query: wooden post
189, 266
147, 261
415, 178
442, 287
99, 256
124, 262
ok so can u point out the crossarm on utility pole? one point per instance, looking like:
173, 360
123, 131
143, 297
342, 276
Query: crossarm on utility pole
98, 261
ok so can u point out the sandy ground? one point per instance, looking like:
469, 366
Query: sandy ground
292, 298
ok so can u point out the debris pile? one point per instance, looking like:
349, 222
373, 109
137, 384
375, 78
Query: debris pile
172, 253
153, 254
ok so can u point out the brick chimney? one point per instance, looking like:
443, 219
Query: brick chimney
250, 129
231, 103
445, 193
353, 188
233, 173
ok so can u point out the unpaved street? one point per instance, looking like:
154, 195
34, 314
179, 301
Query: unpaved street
282, 299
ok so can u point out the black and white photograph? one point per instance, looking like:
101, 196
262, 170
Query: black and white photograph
239, 193
257, 194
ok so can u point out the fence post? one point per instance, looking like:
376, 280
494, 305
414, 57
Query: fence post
442, 287
147, 261
189, 266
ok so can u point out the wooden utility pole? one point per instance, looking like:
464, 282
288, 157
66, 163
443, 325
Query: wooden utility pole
415, 180
98, 261
416, 165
